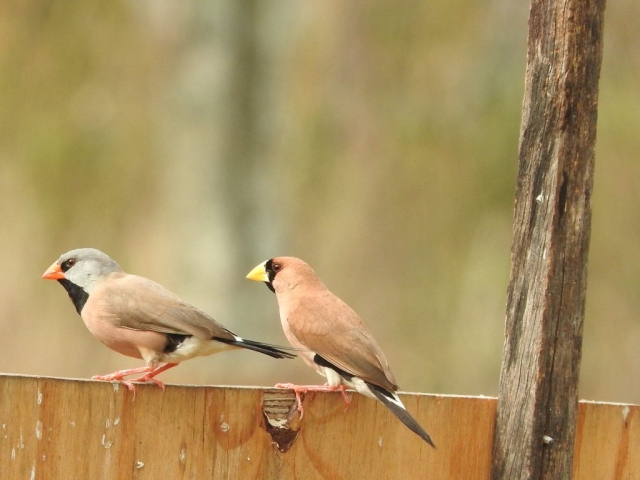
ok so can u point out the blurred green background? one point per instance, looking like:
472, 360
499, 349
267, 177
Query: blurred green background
376, 140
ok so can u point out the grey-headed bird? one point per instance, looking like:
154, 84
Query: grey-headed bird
139, 318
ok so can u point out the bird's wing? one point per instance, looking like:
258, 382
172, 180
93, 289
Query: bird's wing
138, 303
329, 327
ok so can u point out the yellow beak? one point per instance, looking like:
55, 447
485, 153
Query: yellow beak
259, 274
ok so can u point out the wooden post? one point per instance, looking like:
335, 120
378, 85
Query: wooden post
536, 421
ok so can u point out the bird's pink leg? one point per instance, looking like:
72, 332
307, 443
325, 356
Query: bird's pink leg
120, 374
298, 389
347, 400
149, 377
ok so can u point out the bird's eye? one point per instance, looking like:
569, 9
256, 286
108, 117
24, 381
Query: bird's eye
276, 267
68, 264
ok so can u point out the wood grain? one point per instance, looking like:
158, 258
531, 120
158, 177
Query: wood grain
552, 219
55, 428
74, 429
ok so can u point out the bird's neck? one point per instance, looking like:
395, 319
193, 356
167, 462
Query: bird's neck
77, 294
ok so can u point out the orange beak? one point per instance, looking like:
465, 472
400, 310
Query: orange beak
54, 272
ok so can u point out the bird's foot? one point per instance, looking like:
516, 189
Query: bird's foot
119, 377
148, 379
118, 380
347, 400
150, 375
343, 391
299, 389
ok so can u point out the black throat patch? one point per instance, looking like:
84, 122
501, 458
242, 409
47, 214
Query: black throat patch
268, 267
77, 294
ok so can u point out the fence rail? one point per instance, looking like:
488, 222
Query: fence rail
78, 429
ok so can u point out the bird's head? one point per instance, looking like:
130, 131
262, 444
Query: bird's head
83, 267
283, 274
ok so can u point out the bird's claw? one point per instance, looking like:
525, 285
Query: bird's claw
112, 377
347, 399
297, 390
147, 379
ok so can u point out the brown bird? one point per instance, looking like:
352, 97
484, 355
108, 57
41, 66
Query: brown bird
330, 337
139, 318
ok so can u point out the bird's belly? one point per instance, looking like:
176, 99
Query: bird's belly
130, 342
334, 379
194, 347
359, 386
123, 340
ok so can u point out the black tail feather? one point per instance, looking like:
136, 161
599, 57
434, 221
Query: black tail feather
274, 351
405, 417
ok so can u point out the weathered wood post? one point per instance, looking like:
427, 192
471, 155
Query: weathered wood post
536, 420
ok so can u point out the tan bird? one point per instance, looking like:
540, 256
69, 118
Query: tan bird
139, 318
330, 337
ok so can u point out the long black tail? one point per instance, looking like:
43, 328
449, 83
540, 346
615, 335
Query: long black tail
393, 403
274, 351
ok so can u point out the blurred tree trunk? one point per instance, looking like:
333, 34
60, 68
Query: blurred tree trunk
218, 161
251, 220
536, 422
240, 159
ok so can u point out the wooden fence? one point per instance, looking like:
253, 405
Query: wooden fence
78, 429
